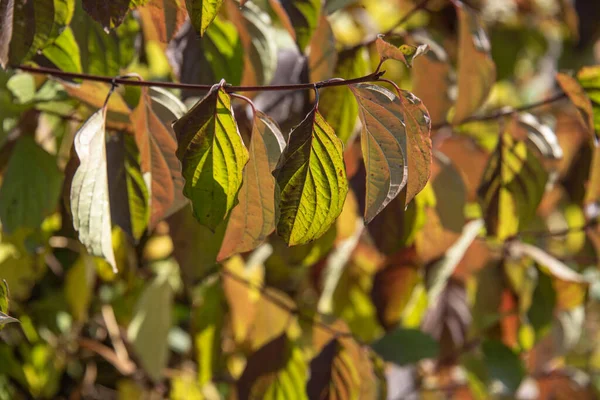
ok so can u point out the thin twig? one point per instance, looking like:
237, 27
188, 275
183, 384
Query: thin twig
545, 234
189, 86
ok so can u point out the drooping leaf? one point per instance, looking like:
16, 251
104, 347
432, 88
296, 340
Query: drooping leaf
299, 17
589, 79
213, 157
255, 32
476, 70
64, 52
89, 189
503, 365
202, 13
406, 346
322, 56
405, 53
254, 218
337, 103
580, 99
275, 371
110, 14
395, 143
224, 51
166, 16
30, 188
512, 187
4, 296
312, 183
159, 165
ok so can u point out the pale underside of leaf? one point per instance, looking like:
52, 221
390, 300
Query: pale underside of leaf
89, 189
312, 181
253, 219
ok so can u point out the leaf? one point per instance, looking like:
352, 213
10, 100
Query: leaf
254, 218
322, 56
224, 52
159, 165
213, 157
31, 186
311, 178
149, 328
512, 187
476, 70
337, 104
393, 286
202, 13
395, 143
166, 16
275, 371
503, 365
589, 79
5, 319
299, 17
110, 14
406, 346
64, 52
6, 30
4, 297
405, 53
580, 99
79, 282
89, 190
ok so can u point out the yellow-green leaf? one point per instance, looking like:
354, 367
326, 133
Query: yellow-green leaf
395, 143
299, 17
64, 52
476, 70
213, 157
89, 189
79, 281
312, 183
405, 53
589, 79
580, 99
202, 13
254, 218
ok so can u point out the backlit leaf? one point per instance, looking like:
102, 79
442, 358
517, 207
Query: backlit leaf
322, 56
79, 282
395, 143
512, 187
31, 186
166, 16
405, 53
299, 17
89, 189
64, 52
213, 157
406, 346
224, 51
202, 13
312, 183
275, 371
589, 79
254, 218
580, 99
476, 70
4, 297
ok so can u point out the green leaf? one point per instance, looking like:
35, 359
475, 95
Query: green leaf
395, 144
580, 99
299, 17
159, 165
31, 186
4, 296
149, 328
589, 79
406, 346
512, 187
64, 52
224, 52
89, 189
312, 183
79, 282
476, 70
337, 103
253, 219
213, 157
503, 365
202, 13
275, 371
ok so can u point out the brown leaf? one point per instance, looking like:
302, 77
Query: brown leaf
161, 19
109, 14
581, 100
6, 28
322, 56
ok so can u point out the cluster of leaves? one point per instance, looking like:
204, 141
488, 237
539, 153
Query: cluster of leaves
330, 235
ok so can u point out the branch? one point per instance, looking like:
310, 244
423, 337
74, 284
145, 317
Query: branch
189, 86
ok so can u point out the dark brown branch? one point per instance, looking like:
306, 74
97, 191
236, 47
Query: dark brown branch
189, 86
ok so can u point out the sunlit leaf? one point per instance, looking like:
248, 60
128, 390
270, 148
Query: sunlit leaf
589, 79
299, 17
405, 53
31, 186
254, 218
166, 16
89, 189
64, 52
395, 143
79, 282
322, 56
4, 296
312, 183
223, 50
202, 13
406, 346
213, 157
512, 187
275, 371
476, 70
580, 99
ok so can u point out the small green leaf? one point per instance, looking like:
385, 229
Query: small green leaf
412, 52
299, 17
213, 157
503, 365
406, 346
31, 186
312, 183
89, 189
64, 52
202, 13
4, 296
